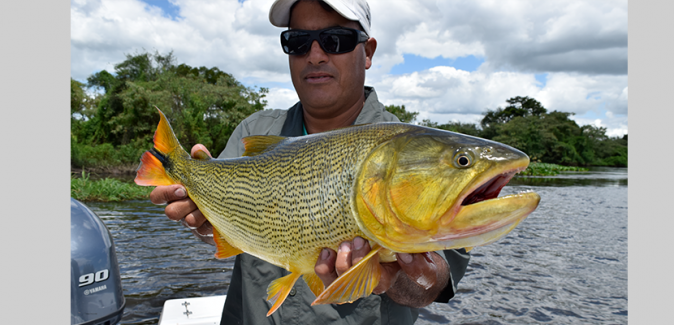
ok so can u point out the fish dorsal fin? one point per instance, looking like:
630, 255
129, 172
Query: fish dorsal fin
225, 249
357, 282
257, 144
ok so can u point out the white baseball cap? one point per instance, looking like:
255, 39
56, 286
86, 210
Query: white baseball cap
355, 10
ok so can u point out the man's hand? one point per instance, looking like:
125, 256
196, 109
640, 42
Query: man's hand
414, 280
181, 207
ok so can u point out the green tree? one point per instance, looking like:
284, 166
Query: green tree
465, 128
551, 137
517, 107
77, 97
428, 123
403, 115
203, 105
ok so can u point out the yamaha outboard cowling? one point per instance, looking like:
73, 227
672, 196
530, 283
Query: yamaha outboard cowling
96, 296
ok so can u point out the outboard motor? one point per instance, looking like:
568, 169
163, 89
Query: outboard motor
96, 296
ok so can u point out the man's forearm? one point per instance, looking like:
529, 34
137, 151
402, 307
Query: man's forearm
407, 292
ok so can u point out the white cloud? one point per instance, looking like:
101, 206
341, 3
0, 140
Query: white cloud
582, 45
235, 37
282, 98
557, 35
444, 93
616, 126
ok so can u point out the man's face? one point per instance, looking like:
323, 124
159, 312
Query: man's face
327, 84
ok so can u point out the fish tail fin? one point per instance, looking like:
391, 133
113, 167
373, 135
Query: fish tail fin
278, 290
357, 282
152, 168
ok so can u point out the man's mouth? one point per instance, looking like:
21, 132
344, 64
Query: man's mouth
317, 77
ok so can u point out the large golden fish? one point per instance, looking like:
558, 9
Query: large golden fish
403, 187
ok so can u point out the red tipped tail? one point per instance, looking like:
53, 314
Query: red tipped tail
151, 171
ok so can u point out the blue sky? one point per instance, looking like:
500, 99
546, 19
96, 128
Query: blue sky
414, 63
170, 10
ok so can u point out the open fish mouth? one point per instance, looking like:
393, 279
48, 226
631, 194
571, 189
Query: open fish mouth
490, 189
482, 216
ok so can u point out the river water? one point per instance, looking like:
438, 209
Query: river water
565, 264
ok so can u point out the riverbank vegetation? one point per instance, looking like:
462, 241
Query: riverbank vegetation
543, 169
106, 190
113, 118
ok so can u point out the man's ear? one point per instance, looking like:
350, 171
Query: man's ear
370, 47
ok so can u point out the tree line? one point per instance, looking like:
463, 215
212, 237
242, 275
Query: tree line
117, 124
548, 137
204, 105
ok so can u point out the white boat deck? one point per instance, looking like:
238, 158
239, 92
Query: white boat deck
193, 311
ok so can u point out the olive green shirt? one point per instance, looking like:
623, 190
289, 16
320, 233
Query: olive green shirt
246, 299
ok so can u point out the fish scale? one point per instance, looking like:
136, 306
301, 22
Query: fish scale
286, 205
402, 187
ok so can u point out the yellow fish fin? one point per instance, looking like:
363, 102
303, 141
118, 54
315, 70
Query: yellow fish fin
225, 249
257, 144
468, 249
151, 170
164, 139
315, 283
356, 283
278, 290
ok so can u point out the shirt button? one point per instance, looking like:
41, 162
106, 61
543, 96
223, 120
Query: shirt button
292, 291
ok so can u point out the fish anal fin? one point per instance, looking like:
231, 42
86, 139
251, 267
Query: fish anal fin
224, 249
151, 172
257, 144
468, 249
314, 282
278, 290
357, 282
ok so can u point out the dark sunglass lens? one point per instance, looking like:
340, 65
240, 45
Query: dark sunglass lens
295, 42
338, 40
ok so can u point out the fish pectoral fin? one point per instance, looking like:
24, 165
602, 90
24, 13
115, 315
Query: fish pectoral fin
278, 290
314, 282
257, 144
356, 283
224, 249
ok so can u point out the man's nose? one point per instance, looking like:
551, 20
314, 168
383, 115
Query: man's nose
316, 54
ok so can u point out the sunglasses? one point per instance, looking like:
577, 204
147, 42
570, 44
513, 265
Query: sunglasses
333, 40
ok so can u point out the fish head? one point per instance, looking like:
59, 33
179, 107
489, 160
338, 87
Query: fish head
419, 190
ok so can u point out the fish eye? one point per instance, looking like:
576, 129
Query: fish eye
463, 160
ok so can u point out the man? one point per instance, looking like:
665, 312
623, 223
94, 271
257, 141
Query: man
328, 72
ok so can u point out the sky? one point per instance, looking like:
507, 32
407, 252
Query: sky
447, 60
